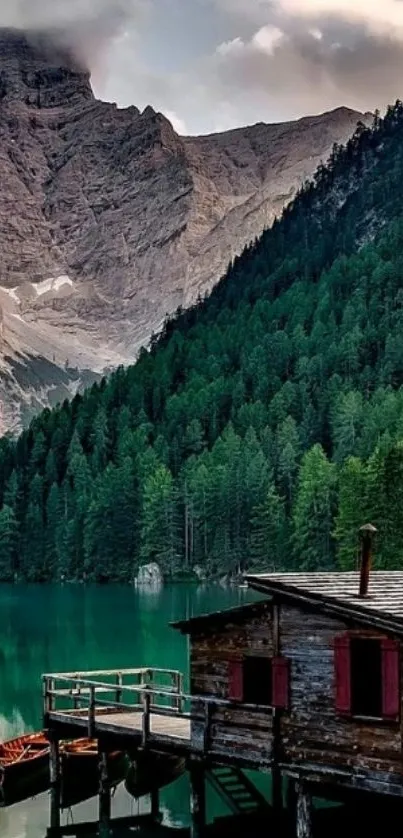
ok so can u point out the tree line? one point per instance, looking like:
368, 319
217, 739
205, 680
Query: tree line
261, 429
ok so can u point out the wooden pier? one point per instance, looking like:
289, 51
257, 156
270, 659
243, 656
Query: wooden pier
135, 710
140, 708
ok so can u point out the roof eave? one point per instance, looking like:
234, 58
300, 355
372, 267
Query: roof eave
204, 621
338, 609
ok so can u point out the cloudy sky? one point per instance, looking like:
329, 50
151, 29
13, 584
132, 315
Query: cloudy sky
215, 64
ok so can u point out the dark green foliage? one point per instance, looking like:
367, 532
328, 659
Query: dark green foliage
262, 428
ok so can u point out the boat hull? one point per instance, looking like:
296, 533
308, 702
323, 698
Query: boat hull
24, 768
152, 770
80, 771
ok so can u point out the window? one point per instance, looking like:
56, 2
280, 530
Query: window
259, 680
367, 675
366, 678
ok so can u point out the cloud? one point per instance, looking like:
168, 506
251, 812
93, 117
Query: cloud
379, 16
313, 55
54, 14
178, 124
215, 64
86, 26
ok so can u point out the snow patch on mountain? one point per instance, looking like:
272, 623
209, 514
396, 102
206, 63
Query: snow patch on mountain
52, 284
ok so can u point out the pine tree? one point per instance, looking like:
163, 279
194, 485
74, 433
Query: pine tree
352, 511
384, 492
159, 524
313, 511
33, 545
268, 539
8, 544
110, 531
54, 515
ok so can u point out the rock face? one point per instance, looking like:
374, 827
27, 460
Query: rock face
109, 220
149, 576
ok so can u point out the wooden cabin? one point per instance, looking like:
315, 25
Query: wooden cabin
314, 679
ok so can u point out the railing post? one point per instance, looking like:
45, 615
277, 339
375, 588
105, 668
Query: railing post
77, 698
45, 700
181, 706
119, 682
176, 688
91, 714
146, 699
52, 700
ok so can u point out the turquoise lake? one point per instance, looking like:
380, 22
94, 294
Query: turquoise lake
74, 628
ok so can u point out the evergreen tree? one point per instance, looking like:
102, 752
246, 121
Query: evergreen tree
352, 511
159, 521
268, 547
8, 544
313, 511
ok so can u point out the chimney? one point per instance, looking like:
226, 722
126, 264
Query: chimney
367, 533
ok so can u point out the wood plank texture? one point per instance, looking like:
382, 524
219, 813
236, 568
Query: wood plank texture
234, 731
123, 723
385, 589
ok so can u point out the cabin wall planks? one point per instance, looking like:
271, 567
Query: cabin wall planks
314, 730
213, 655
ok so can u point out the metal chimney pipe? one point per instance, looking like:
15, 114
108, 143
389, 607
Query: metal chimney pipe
367, 533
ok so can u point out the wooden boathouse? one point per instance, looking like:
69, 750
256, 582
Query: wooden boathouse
305, 684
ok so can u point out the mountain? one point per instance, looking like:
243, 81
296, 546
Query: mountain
109, 220
262, 428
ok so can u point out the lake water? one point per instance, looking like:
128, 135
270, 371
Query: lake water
74, 628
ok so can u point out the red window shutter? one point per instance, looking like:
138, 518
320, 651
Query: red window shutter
235, 687
280, 683
342, 670
390, 679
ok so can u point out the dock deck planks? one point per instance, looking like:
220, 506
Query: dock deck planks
163, 729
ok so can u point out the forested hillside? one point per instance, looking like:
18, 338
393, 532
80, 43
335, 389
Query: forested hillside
261, 429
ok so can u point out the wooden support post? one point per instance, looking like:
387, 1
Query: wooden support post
155, 805
55, 784
104, 794
276, 790
304, 811
197, 800
291, 799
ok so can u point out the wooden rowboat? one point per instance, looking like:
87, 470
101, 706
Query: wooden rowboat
152, 770
80, 771
24, 768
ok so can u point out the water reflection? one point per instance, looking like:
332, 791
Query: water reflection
73, 627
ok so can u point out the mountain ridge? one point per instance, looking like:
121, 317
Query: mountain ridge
264, 424
109, 221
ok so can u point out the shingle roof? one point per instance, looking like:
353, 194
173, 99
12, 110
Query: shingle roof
338, 592
226, 616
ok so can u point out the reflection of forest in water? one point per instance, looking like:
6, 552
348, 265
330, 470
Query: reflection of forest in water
73, 627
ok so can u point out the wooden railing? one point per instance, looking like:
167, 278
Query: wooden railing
146, 690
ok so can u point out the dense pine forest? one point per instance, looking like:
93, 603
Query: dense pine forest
261, 429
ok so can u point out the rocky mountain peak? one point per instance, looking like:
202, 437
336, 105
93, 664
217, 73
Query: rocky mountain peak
37, 69
109, 220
